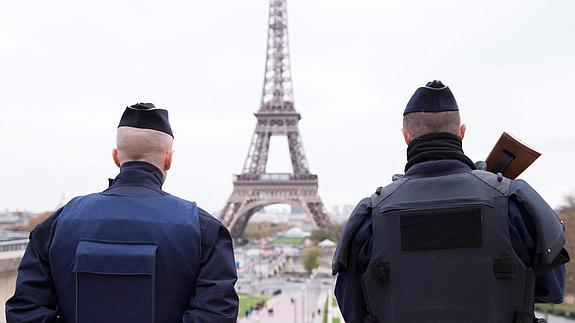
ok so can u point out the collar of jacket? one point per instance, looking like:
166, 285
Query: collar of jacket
434, 168
139, 174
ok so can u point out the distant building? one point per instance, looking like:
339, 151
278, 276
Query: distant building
253, 252
295, 233
327, 244
295, 210
340, 214
8, 219
301, 220
270, 217
335, 210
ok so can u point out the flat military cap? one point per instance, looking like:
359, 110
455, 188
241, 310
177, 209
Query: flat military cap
433, 97
146, 116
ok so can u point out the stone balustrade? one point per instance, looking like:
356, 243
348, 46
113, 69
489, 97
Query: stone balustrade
9, 261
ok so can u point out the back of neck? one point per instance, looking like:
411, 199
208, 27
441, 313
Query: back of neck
436, 146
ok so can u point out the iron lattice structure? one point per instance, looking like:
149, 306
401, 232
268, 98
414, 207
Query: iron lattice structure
254, 188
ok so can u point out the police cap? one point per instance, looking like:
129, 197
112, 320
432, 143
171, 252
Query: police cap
433, 97
146, 116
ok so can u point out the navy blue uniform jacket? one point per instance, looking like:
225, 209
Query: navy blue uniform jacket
348, 291
195, 268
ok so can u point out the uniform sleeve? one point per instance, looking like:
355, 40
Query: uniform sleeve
348, 287
215, 298
549, 282
34, 298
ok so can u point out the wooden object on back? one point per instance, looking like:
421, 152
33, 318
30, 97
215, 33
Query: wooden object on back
510, 156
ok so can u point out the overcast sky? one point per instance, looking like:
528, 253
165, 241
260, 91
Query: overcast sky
69, 68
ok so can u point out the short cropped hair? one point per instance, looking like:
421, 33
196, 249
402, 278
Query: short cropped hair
135, 144
421, 123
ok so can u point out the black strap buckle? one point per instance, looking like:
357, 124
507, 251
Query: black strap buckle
380, 271
504, 267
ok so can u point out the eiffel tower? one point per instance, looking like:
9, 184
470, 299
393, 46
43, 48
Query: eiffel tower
254, 188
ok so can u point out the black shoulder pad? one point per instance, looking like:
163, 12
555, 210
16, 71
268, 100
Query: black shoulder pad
497, 181
356, 219
549, 228
384, 192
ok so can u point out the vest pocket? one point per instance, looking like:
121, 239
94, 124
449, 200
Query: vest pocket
115, 281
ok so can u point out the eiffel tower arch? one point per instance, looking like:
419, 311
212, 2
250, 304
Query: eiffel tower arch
254, 188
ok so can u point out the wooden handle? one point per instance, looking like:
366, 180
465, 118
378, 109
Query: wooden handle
510, 156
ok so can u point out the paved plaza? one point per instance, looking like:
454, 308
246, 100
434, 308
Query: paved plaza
298, 302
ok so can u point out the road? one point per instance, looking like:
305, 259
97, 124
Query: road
311, 299
555, 319
299, 302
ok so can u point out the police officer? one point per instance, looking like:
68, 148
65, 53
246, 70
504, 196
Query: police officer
446, 242
132, 253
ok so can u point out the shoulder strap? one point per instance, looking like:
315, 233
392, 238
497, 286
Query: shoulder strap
356, 219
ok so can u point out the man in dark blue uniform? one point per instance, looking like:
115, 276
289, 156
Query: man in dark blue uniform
132, 253
430, 246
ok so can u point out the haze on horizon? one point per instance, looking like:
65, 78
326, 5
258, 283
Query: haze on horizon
70, 68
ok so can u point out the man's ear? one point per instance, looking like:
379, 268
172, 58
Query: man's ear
168, 160
116, 157
406, 136
462, 129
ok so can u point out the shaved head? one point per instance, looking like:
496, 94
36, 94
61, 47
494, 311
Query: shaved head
421, 123
417, 124
135, 144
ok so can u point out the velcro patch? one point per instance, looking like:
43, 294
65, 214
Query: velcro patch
452, 228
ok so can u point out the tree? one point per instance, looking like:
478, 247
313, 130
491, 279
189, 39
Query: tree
567, 214
260, 230
321, 234
311, 258
333, 233
30, 225
570, 202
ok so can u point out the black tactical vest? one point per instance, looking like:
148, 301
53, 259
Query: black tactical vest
441, 252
